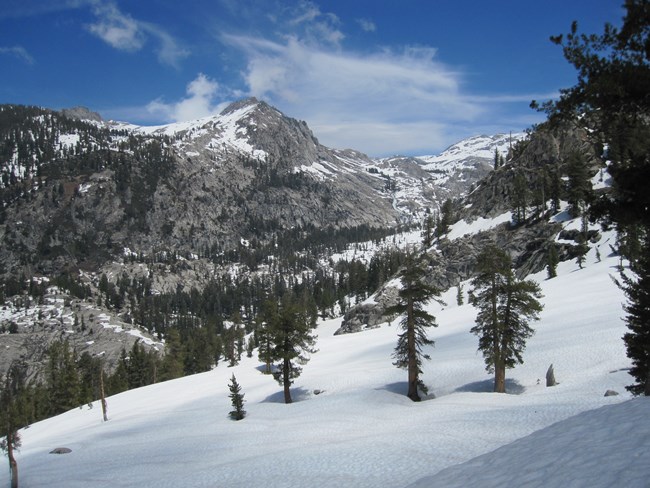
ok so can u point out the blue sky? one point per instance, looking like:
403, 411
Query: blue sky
381, 76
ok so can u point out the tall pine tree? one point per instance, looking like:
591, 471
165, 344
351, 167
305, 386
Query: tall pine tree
505, 306
611, 94
12, 413
413, 296
292, 343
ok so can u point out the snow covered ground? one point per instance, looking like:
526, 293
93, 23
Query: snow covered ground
362, 431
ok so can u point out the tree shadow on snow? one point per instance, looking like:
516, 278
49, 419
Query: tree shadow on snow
401, 388
297, 395
513, 387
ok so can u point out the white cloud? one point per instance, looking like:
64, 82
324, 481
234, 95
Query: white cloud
119, 30
383, 100
19, 52
367, 25
125, 33
317, 27
199, 102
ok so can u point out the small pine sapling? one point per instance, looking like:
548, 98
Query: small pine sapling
237, 400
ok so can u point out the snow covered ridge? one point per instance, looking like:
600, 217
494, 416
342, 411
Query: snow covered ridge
361, 430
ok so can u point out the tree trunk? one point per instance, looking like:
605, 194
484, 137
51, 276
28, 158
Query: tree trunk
412, 355
499, 378
13, 465
103, 395
285, 381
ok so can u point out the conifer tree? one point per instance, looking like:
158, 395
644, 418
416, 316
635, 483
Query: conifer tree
552, 260
12, 413
413, 296
505, 306
637, 340
497, 158
578, 185
62, 378
236, 399
292, 343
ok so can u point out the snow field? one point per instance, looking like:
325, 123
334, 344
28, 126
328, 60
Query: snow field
361, 431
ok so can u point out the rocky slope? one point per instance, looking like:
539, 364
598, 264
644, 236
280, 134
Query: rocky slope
217, 202
453, 257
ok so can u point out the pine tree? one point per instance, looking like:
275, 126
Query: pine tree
612, 96
236, 399
413, 296
579, 185
552, 260
446, 218
637, 340
520, 198
497, 158
12, 412
264, 334
428, 231
62, 378
293, 341
505, 305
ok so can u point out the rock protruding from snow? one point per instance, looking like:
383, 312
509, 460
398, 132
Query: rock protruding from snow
550, 376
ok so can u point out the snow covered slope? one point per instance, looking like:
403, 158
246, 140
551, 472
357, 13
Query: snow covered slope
361, 430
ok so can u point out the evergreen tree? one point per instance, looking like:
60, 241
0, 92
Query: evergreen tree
552, 260
578, 185
505, 305
612, 95
172, 362
237, 400
583, 238
413, 296
12, 415
497, 158
427, 232
292, 342
520, 198
446, 218
637, 340
264, 334
63, 383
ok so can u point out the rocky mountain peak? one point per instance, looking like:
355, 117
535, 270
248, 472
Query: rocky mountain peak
82, 113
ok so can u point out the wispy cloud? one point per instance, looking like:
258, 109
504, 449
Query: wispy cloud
347, 96
315, 26
367, 25
201, 101
18, 52
123, 32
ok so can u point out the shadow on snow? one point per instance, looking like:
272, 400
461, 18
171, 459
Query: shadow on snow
513, 387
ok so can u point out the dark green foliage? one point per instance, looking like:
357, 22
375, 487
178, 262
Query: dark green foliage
292, 341
413, 296
237, 400
612, 95
520, 198
578, 185
505, 306
13, 407
552, 260
63, 384
428, 232
447, 217
637, 340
